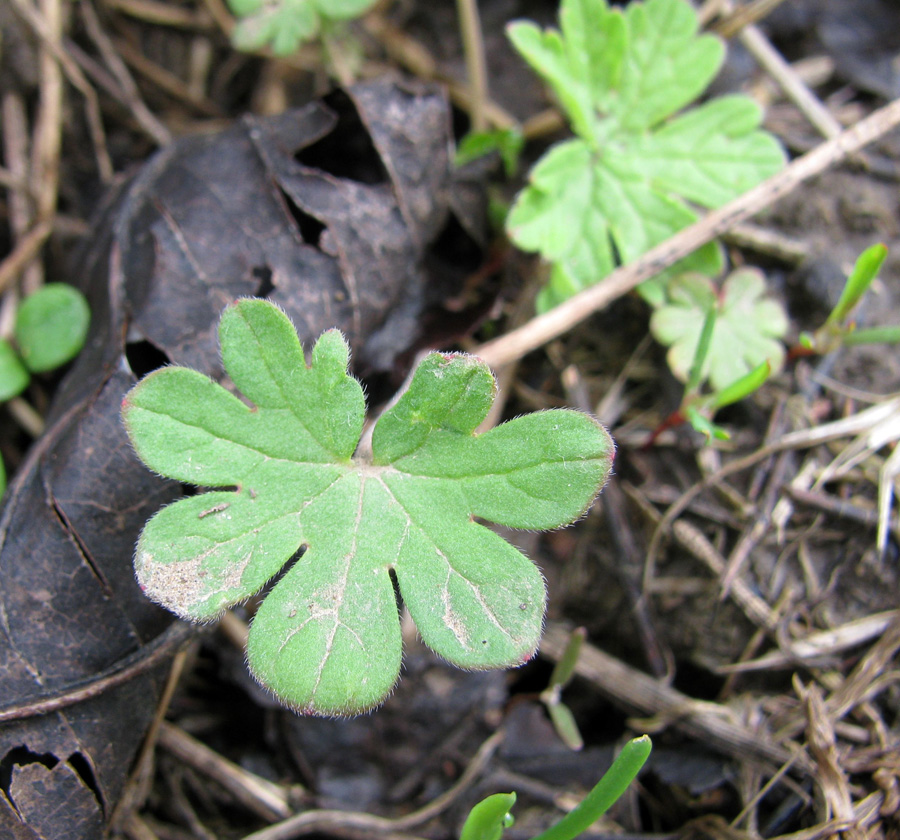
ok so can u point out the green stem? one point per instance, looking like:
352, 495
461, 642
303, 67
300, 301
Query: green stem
613, 784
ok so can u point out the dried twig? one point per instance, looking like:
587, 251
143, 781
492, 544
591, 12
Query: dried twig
367, 825
637, 691
556, 322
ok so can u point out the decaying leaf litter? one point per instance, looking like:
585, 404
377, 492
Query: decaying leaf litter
743, 578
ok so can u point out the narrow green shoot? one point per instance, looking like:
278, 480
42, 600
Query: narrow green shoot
605, 793
839, 329
742, 388
560, 714
489, 817
865, 270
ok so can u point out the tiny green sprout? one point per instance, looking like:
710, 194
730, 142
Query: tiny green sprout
506, 142
295, 485
283, 25
560, 714
839, 329
488, 818
637, 167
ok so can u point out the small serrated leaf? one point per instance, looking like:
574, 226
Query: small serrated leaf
285, 24
746, 333
326, 639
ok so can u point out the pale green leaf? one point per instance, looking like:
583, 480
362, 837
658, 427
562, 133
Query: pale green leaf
326, 639
283, 25
547, 54
51, 326
746, 332
625, 185
710, 154
667, 65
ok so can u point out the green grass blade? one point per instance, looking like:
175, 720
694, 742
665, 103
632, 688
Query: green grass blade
873, 335
605, 793
488, 818
864, 272
696, 372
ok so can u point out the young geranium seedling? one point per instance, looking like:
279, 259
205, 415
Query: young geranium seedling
637, 164
326, 639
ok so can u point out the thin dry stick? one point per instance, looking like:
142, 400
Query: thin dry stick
476, 70
161, 13
165, 80
27, 248
264, 798
76, 77
318, 821
793, 86
637, 691
47, 140
16, 150
556, 322
131, 96
140, 779
744, 16
802, 439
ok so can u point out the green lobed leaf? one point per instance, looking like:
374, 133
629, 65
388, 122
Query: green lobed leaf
326, 639
51, 326
622, 187
746, 332
283, 25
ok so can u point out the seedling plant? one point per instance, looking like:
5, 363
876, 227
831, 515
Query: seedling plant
626, 181
296, 485
490, 817
283, 25
839, 329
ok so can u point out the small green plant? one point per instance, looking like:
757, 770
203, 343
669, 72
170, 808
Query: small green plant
560, 714
625, 182
839, 329
506, 142
747, 326
490, 817
49, 330
284, 24
326, 639
723, 344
